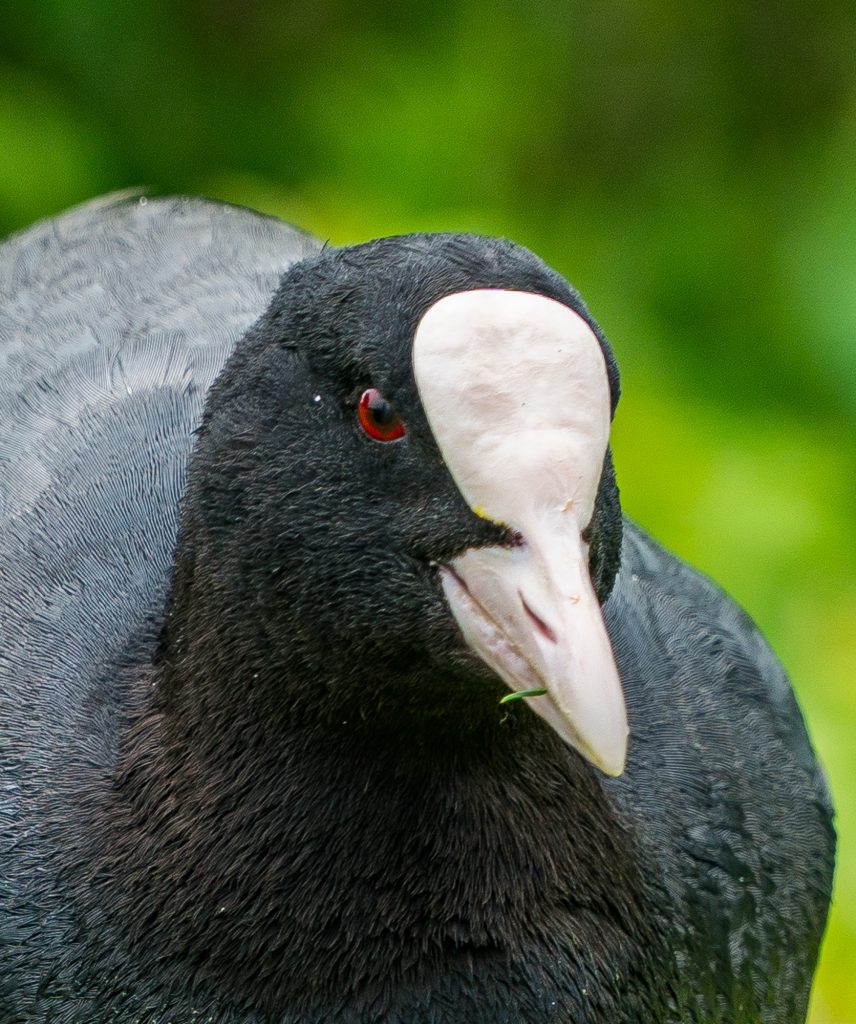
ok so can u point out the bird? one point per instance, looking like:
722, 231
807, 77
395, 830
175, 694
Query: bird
335, 688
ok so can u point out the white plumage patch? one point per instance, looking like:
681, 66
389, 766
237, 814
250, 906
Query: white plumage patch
515, 390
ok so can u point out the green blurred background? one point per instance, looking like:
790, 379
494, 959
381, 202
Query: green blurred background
690, 167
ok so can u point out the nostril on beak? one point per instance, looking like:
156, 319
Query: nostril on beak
539, 624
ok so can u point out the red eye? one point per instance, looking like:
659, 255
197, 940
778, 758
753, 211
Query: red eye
378, 418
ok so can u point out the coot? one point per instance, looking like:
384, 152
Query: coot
281, 527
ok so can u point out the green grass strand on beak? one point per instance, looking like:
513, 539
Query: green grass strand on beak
520, 694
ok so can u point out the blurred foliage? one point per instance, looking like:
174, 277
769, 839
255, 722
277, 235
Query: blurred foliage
690, 167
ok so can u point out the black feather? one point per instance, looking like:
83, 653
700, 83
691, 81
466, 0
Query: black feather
256, 776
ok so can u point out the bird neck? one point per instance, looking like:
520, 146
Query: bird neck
390, 845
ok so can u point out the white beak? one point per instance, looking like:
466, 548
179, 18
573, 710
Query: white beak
514, 387
530, 612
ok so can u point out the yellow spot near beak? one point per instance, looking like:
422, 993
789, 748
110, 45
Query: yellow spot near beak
480, 512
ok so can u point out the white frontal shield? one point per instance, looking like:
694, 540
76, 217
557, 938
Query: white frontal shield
515, 390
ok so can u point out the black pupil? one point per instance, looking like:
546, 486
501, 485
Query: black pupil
381, 411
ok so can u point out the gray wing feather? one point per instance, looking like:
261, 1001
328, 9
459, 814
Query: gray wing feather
115, 298
115, 318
